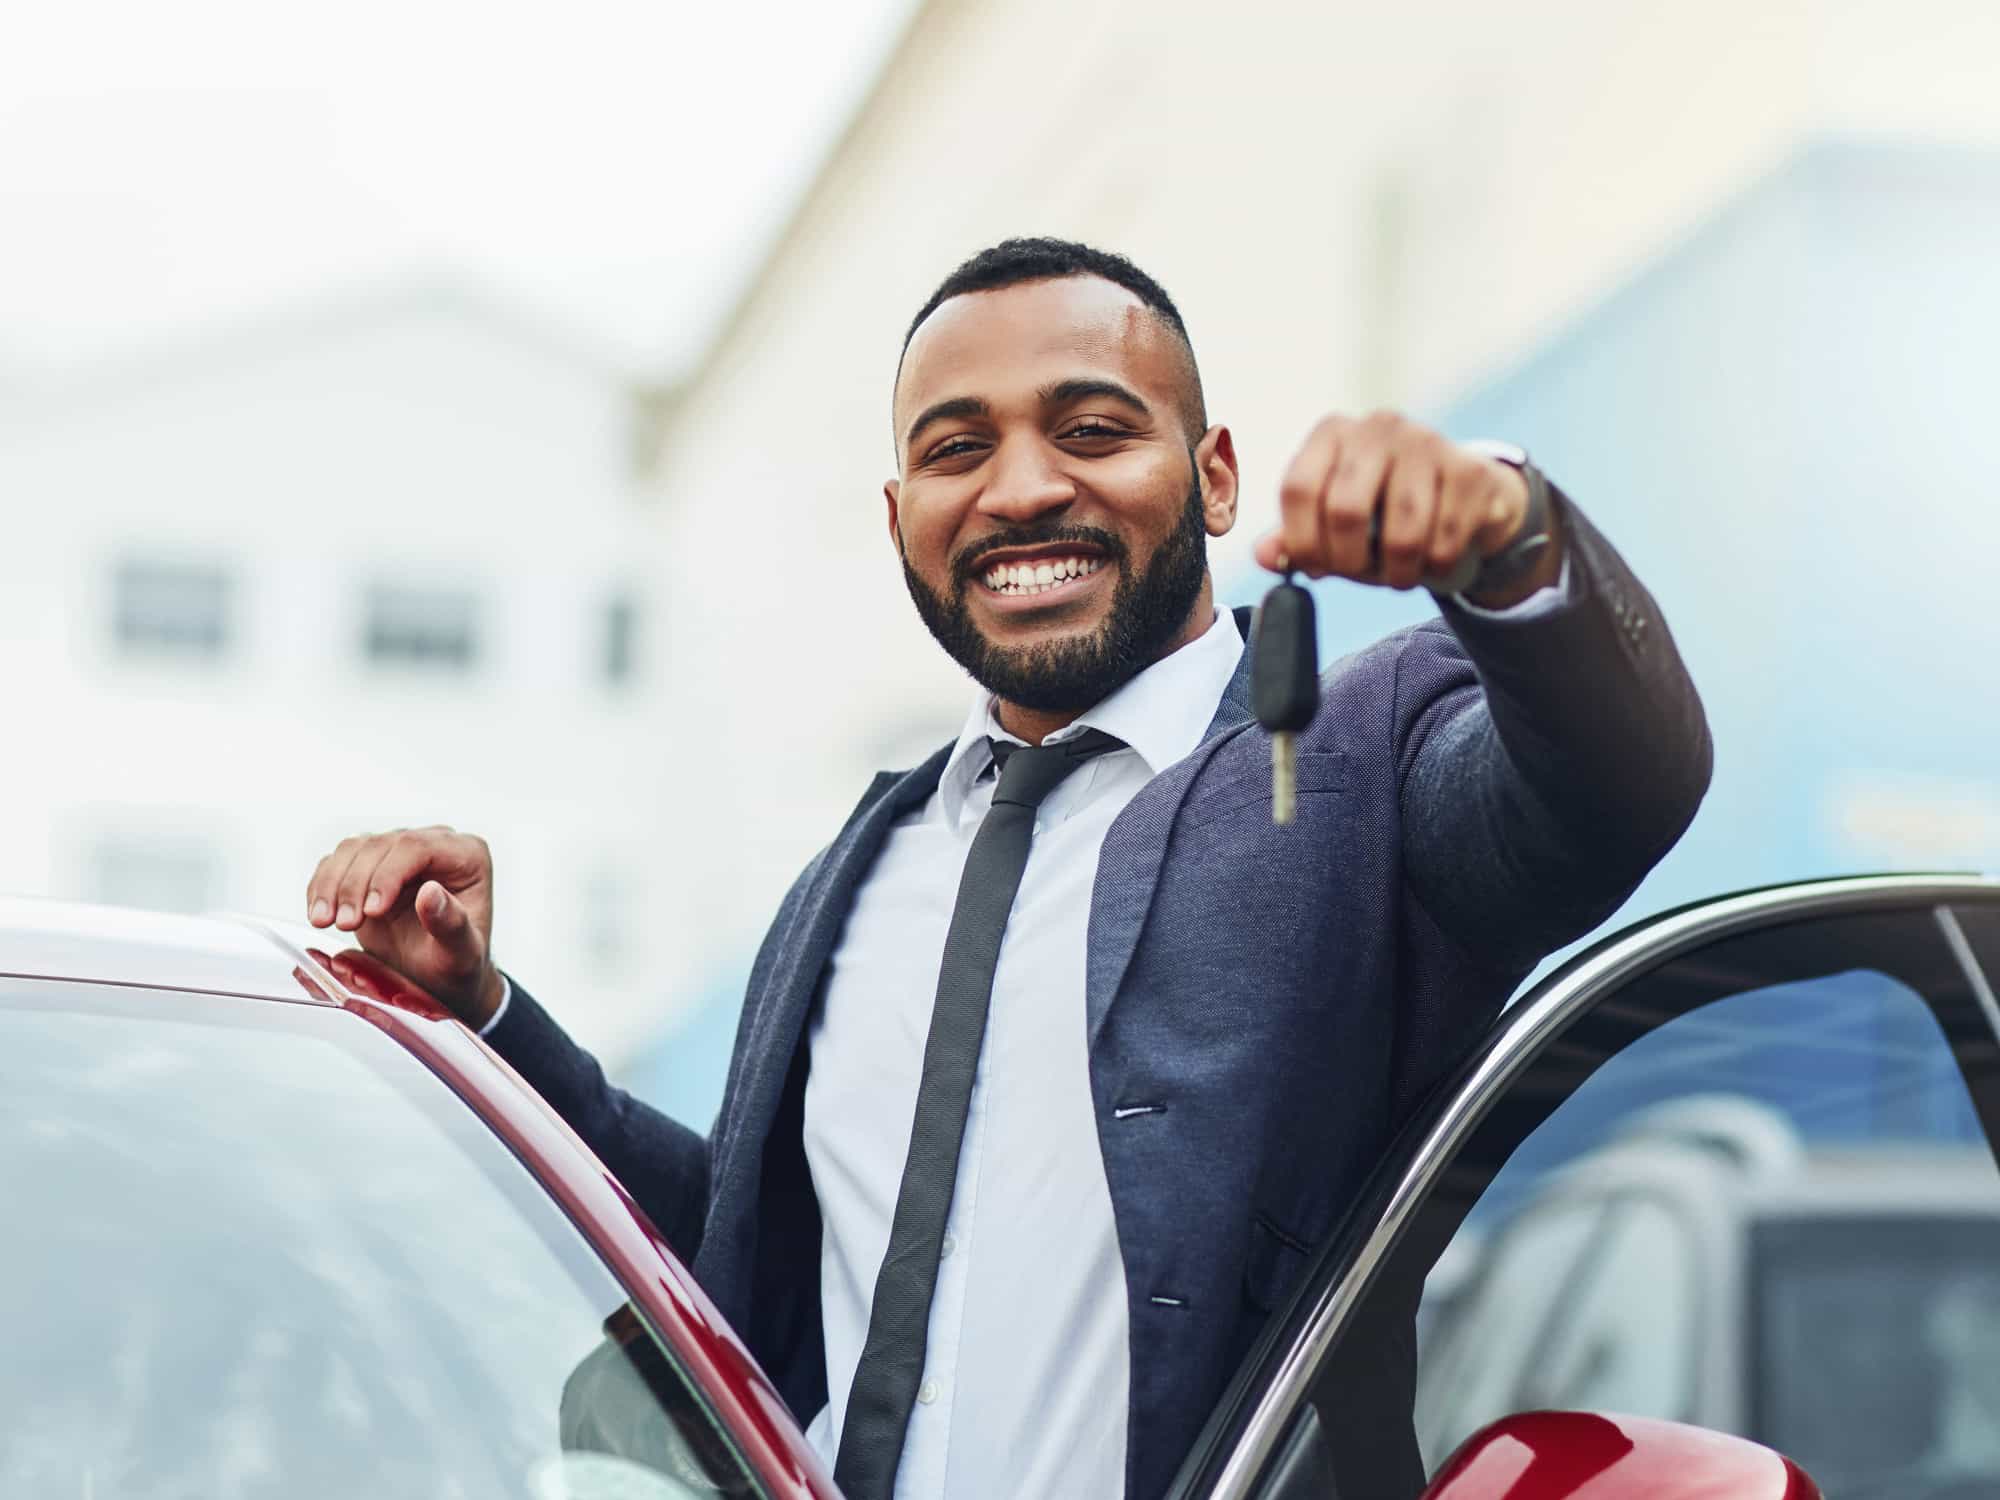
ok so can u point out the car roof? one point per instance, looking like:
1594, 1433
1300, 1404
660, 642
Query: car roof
1883, 1181
1877, 1180
222, 954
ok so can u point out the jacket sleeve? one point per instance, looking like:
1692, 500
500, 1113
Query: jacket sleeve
1546, 763
662, 1163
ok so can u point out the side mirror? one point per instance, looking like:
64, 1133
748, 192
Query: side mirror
1554, 1455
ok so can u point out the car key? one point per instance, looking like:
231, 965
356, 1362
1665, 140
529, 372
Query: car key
1284, 684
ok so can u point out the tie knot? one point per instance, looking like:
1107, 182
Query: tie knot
1028, 773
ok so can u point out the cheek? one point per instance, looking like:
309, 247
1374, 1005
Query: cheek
930, 519
1149, 502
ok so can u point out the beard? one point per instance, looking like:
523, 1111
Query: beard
1071, 674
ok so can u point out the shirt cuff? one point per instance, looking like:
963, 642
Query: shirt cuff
507, 985
1547, 599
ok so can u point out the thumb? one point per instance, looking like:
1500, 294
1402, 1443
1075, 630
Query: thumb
446, 920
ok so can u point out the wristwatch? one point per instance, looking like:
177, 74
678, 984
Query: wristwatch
1519, 557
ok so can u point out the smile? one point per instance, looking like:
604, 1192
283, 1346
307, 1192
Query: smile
1038, 575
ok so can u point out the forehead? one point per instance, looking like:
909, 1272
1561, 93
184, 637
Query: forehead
1002, 345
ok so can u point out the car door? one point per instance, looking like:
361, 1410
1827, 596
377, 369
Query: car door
1815, 1067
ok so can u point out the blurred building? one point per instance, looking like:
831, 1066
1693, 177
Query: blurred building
371, 563
1604, 229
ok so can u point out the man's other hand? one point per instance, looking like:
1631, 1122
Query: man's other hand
420, 900
1425, 500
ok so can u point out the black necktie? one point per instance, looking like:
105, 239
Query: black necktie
892, 1358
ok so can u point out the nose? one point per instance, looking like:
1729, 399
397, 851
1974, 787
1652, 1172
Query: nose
1026, 482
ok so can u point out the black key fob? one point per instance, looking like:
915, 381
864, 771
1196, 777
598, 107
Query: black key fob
1284, 660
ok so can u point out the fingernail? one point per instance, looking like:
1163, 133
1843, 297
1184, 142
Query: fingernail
346, 915
319, 912
373, 904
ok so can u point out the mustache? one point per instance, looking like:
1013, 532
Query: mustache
965, 566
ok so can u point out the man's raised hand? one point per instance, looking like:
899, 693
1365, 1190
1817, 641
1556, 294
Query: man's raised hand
420, 900
1426, 500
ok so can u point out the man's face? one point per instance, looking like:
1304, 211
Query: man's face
1053, 504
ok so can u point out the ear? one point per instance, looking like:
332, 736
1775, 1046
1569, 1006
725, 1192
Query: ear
1215, 464
891, 490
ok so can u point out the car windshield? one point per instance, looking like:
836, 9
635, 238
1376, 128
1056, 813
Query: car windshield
255, 1249
1878, 1351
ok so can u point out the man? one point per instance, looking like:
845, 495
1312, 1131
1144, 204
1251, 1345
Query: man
1001, 1217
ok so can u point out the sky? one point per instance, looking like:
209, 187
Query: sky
616, 164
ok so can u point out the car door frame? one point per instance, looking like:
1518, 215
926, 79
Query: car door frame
1256, 1429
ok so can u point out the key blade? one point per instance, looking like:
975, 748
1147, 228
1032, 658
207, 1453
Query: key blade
1284, 780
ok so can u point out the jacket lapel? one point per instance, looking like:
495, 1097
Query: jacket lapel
788, 996
1236, 708
1128, 868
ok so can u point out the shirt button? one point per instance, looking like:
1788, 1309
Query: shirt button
927, 1392
948, 1246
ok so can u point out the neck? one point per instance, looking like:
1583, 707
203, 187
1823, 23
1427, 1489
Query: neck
1036, 724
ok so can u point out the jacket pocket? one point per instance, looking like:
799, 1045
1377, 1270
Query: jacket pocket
1278, 1258
1316, 771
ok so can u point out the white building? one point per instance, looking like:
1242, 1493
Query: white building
378, 562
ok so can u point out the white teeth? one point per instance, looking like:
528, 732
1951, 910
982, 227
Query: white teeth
1033, 578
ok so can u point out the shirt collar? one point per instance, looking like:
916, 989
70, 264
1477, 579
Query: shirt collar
1160, 714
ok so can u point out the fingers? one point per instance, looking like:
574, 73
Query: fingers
366, 876
369, 886
325, 882
350, 892
1409, 515
1385, 500
1299, 494
1347, 511
411, 855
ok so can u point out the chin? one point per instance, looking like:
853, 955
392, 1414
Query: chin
1026, 636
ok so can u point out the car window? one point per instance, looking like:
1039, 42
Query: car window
1874, 1346
1482, 1346
1627, 1328
1727, 1083
1833, 1094
255, 1249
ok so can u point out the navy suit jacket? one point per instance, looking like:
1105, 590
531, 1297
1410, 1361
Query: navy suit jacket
1473, 793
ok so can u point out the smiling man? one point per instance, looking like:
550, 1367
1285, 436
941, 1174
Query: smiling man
1060, 1059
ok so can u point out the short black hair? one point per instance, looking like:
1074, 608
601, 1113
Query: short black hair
1041, 258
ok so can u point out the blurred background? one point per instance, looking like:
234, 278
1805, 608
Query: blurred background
431, 412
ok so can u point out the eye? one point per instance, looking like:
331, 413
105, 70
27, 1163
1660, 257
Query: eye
953, 447
1091, 428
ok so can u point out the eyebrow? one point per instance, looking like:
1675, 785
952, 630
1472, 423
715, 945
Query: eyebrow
1065, 391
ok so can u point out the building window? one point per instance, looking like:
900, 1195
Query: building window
421, 627
154, 872
621, 631
173, 609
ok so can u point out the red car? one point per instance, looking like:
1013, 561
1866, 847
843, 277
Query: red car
269, 1235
